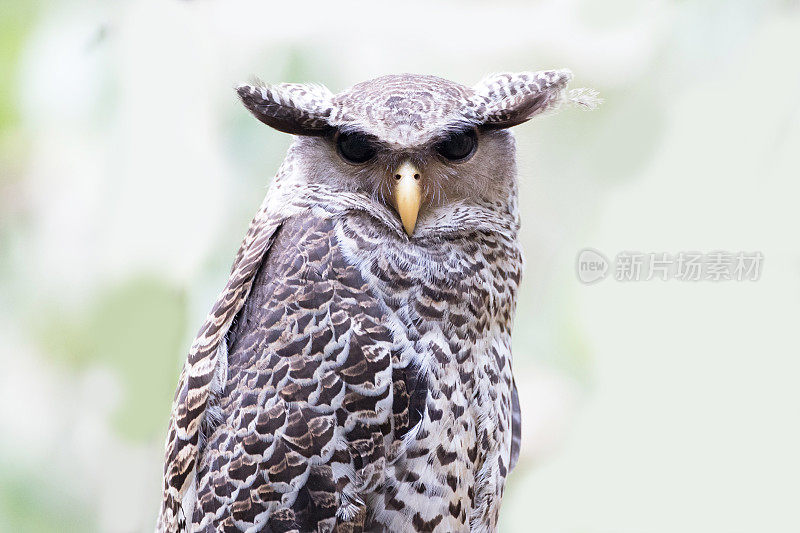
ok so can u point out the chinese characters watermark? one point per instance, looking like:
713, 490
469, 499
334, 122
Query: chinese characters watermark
592, 266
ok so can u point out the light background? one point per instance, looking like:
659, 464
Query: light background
129, 173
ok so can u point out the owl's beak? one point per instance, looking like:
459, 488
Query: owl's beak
407, 194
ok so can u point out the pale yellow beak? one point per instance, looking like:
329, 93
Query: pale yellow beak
407, 194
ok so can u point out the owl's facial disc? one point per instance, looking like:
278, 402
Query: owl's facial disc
407, 194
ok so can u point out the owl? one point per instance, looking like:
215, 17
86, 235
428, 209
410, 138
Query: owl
355, 372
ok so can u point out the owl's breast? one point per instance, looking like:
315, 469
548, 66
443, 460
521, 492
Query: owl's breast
449, 305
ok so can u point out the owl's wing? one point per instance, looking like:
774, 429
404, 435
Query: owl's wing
191, 397
310, 397
516, 426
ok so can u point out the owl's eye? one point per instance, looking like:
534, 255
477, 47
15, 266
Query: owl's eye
355, 147
458, 146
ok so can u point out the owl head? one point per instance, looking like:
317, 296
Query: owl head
414, 143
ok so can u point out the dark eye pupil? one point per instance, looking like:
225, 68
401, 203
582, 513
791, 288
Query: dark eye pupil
458, 145
355, 148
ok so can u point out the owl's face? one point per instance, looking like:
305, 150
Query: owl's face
415, 179
414, 143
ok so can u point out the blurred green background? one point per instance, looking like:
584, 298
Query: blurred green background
129, 173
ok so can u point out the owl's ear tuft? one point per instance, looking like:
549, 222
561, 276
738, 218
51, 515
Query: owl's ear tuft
507, 99
295, 108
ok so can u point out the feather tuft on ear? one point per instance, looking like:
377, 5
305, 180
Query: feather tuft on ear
508, 99
585, 97
295, 108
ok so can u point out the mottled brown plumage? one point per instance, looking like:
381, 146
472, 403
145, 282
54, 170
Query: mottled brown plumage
355, 375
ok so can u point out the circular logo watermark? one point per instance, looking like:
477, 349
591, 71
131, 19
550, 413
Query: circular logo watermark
591, 266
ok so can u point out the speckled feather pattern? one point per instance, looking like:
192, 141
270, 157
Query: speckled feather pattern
410, 108
350, 378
